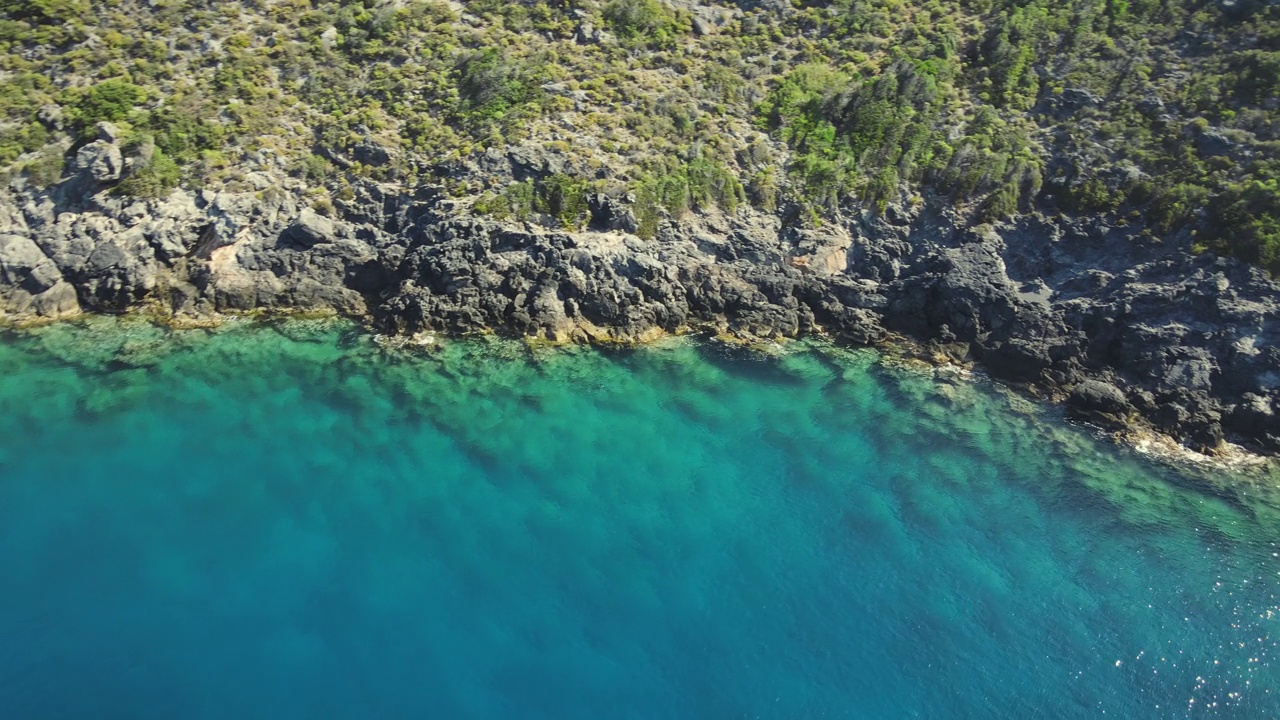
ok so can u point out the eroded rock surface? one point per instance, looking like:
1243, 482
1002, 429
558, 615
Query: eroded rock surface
1122, 326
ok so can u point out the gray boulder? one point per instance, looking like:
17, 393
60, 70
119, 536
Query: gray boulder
22, 264
610, 213
100, 161
1099, 401
371, 153
120, 272
1215, 143
30, 282
51, 116
311, 228
1068, 103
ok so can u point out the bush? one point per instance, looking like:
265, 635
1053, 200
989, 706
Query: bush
515, 201
1092, 195
109, 100
673, 188
20, 139
315, 169
1266, 236
46, 169
1176, 205
1260, 75
155, 179
762, 190
1002, 203
562, 197
45, 11
491, 86
883, 187
184, 134
641, 20
1246, 222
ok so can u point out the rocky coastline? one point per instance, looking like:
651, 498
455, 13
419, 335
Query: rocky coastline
1128, 329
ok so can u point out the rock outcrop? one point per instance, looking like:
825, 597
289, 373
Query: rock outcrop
1123, 327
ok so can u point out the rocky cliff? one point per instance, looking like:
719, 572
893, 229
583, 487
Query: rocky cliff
1125, 329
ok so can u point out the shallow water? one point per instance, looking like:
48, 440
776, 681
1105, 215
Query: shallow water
291, 521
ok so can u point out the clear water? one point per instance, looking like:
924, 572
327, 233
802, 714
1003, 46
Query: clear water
294, 522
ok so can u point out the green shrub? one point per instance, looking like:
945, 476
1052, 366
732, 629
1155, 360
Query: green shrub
516, 201
1245, 220
1002, 203
155, 179
492, 86
1266, 235
1259, 76
315, 169
561, 196
672, 188
47, 168
16, 140
641, 20
762, 190
109, 100
1092, 195
1175, 206
883, 187
45, 11
184, 134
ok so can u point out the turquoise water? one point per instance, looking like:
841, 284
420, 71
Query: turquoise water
293, 521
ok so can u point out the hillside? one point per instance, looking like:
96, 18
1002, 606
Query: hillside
1159, 113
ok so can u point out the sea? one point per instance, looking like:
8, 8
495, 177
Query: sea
300, 519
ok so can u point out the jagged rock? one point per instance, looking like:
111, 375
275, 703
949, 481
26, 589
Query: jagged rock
1099, 401
58, 301
51, 116
174, 226
1066, 104
310, 229
100, 161
1189, 342
119, 272
1215, 143
588, 34
531, 163
609, 213
25, 272
139, 155
108, 132
1259, 417
371, 153
1152, 106
329, 37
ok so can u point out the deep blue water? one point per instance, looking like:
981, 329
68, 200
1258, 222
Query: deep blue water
295, 522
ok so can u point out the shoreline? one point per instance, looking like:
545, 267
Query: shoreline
899, 353
1072, 309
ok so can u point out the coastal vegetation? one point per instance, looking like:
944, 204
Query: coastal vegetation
1163, 113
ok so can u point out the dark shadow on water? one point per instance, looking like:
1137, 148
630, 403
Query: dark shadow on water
751, 364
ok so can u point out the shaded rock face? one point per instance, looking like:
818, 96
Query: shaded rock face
611, 213
1099, 401
30, 283
1121, 327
